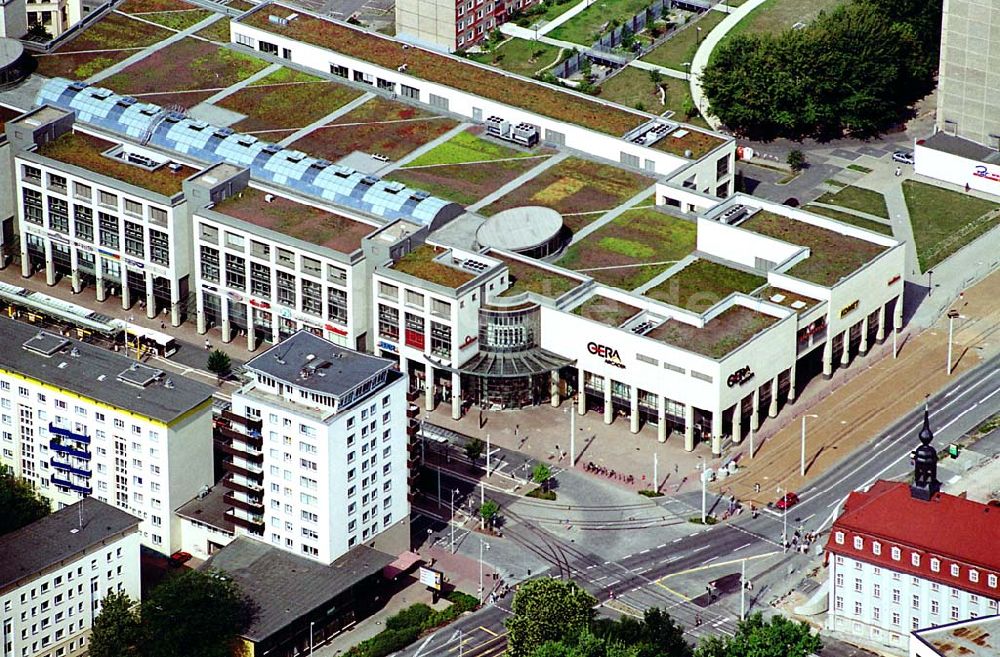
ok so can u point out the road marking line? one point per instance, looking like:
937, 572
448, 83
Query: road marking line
488, 631
703, 547
707, 561
678, 540
627, 556
742, 546
644, 551
660, 547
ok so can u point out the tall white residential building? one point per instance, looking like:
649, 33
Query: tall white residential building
78, 421
55, 572
319, 445
104, 213
904, 557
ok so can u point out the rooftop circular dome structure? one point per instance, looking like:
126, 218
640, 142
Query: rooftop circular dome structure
531, 230
13, 62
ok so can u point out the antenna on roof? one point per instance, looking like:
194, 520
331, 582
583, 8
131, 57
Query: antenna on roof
268, 198
79, 514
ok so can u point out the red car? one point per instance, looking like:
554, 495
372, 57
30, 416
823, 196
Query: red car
179, 558
788, 501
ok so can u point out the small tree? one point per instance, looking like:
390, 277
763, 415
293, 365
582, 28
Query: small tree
116, 631
219, 363
655, 76
488, 511
474, 449
541, 475
545, 610
796, 160
20, 504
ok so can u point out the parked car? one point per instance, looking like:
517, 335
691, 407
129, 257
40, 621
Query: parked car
789, 500
179, 558
903, 157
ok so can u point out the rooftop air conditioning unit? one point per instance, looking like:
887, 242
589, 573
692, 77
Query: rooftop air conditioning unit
268, 198
401, 68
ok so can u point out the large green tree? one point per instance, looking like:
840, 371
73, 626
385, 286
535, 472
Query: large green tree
19, 504
656, 635
853, 70
546, 610
194, 613
116, 630
776, 637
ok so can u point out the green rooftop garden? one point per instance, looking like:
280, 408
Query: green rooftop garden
727, 332
299, 220
180, 20
685, 139
466, 147
529, 278
606, 310
420, 263
521, 56
857, 198
633, 248
85, 151
833, 256
702, 284
449, 71
854, 220
944, 221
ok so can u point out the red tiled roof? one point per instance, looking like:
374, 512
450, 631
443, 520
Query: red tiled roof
952, 529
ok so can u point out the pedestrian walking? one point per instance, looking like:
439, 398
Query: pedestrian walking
163, 325
899, 171
208, 345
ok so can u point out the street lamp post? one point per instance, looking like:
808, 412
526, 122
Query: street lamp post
701, 466
784, 520
687, 70
930, 282
451, 521
743, 591
698, 34
952, 316
487, 455
311, 625
482, 544
572, 434
802, 465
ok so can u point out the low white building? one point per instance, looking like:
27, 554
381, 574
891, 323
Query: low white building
976, 637
958, 161
904, 557
78, 421
56, 571
319, 448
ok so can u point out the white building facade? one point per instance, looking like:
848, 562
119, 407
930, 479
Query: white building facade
319, 450
79, 421
49, 606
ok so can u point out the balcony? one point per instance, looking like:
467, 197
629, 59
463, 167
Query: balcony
229, 433
255, 508
233, 450
249, 487
59, 465
55, 445
253, 524
229, 466
65, 483
412, 411
252, 425
66, 433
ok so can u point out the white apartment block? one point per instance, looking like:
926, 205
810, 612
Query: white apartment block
276, 262
80, 421
108, 214
55, 573
899, 563
319, 445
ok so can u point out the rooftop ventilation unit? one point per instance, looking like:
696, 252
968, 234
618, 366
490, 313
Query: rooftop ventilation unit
733, 214
45, 344
642, 327
277, 20
139, 375
475, 266
369, 180
420, 195
224, 132
127, 101
401, 68
77, 86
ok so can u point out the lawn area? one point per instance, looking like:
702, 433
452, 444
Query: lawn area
776, 15
188, 65
378, 126
944, 221
832, 255
217, 31
113, 32
529, 278
466, 147
587, 26
554, 9
152, 6
421, 263
729, 330
633, 87
464, 184
639, 244
605, 310
180, 20
575, 186
276, 105
681, 47
702, 284
843, 217
79, 65
520, 56
857, 198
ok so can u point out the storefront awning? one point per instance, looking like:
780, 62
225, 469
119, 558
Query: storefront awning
521, 363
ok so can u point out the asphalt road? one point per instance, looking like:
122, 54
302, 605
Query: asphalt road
636, 581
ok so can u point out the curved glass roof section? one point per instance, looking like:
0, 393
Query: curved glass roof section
149, 123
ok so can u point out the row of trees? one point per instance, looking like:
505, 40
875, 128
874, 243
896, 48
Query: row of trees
854, 70
193, 613
556, 618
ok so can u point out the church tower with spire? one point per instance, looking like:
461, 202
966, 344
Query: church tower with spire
925, 483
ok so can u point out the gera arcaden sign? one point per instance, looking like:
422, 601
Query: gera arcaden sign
981, 171
609, 354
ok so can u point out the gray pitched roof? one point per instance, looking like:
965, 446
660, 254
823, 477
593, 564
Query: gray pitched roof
50, 540
337, 369
94, 372
285, 586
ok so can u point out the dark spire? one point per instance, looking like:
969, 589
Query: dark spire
925, 484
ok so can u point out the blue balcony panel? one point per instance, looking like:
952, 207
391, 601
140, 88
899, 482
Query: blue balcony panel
66, 433
59, 465
63, 449
70, 485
